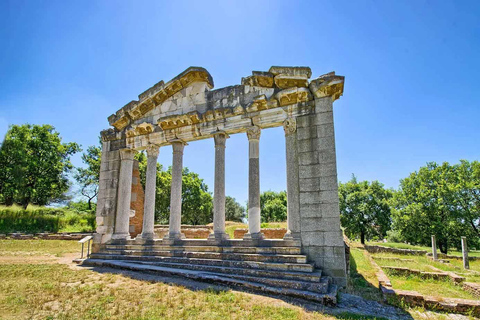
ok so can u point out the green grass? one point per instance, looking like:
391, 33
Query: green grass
422, 263
429, 287
453, 252
38, 247
363, 280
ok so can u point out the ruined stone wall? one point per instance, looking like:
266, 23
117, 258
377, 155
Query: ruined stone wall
136, 203
107, 193
322, 238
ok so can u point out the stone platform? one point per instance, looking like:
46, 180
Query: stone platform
270, 266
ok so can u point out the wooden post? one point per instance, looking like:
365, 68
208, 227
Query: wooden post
434, 248
466, 264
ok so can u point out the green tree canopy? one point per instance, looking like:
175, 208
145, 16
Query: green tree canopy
273, 206
35, 164
234, 211
440, 200
88, 177
364, 209
197, 202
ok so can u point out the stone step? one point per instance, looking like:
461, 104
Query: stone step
303, 267
207, 242
259, 250
214, 255
329, 298
320, 287
314, 276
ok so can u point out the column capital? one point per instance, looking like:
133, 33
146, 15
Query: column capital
253, 133
178, 146
152, 150
127, 154
290, 126
220, 137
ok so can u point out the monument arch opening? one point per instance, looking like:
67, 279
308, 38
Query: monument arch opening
167, 117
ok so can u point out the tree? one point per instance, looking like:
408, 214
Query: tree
234, 211
35, 164
467, 194
364, 209
197, 202
273, 206
88, 178
437, 200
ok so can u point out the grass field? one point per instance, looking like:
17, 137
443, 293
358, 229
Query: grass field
38, 281
35, 284
437, 288
453, 252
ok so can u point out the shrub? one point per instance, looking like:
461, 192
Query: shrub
42, 219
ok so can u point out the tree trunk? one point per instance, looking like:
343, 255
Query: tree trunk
89, 204
362, 237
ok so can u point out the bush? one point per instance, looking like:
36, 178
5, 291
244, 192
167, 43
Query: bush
41, 219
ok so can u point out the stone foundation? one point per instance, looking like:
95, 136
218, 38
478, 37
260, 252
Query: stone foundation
268, 233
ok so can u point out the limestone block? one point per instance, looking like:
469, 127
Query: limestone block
310, 171
307, 145
328, 169
110, 156
323, 105
305, 72
306, 158
309, 184
334, 238
326, 143
304, 121
312, 238
324, 210
329, 183
310, 197
323, 118
329, 196
306, 133
327, 155
320, 224
284, 82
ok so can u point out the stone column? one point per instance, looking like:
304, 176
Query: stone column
434, 248
293, 190
219, 189
176, 192
466, 264
150, 190
253, 135
124, 195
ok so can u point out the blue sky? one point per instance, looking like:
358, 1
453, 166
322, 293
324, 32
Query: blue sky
411, 90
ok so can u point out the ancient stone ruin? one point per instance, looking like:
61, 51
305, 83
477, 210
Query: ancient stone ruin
309, 261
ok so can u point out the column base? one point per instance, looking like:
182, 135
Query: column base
219, 237
291, 236
253, 236
121, 236
170, 238
146, 236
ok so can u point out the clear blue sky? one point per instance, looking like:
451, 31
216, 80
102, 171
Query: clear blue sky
411, 90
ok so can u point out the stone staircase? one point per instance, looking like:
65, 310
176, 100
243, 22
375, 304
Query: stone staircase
271, 266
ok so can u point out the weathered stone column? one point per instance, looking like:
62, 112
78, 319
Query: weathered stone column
253, 135
466, 263
219, 189
434, 248
176, 192
293, 189
150, 190
124, 195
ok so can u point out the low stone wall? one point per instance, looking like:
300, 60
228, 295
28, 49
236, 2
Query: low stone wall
447, 256
426, 275
473, 288
376, 249
415, 299
269, 233
45, 236
190, 232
